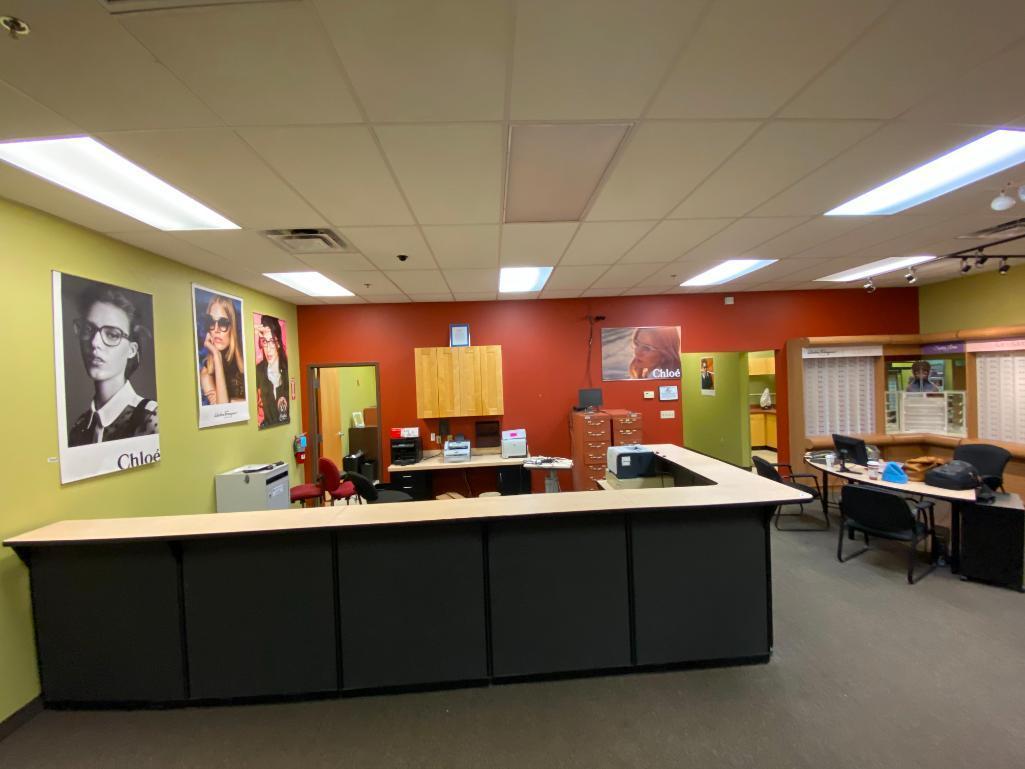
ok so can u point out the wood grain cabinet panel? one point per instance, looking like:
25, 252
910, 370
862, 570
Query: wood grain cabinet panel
426, 363
459, 381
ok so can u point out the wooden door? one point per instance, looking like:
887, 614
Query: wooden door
447, 378
467, 365
426, 362
491, 389
330, 427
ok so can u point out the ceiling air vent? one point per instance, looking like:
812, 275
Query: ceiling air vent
136, 6
1011, 229
309, 241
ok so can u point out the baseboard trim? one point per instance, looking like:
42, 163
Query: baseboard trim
20, 717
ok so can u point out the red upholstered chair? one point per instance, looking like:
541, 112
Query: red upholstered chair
306, 492
331, 482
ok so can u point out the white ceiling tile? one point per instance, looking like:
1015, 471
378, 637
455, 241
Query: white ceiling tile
389, 299
444, 60
814, 232
474, 245
886, 154
641, 291
604, 242
748, 56
432, 297
329, 262
257, 282
472, 281
602, 292
219, 170
742, 238
575, 61
166, 244
773, 159
253, 64
81, 63
476, 297
451, 174
672, 239
560, 293
623, 276
535, 245
878, 230
415, 282
382, 245
661, 163
245, 248
338, 169
365, 283
518, 297
25, 118
913, 51
573, 277
23, 187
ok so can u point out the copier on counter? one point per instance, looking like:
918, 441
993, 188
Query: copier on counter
457, 450
633, 467
253, 487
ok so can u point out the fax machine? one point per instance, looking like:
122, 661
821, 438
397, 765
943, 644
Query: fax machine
633, 461
514, 443
457, 451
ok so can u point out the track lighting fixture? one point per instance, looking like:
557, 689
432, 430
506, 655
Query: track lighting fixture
1004, 267
981, 258
870, 286
965, 266
1003, 201
910, 276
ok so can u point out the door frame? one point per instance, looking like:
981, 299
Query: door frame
313, 390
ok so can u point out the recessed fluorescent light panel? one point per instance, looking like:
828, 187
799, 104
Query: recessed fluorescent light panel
555, 169
878, 268
309, 283
729, 270
83, 165
522, 280
988, 155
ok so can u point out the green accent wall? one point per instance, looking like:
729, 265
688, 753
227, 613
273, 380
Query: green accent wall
717, 425
182, 482
974, 301
358, 390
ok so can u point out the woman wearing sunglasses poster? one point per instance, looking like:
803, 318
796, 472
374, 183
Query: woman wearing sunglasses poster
220, 358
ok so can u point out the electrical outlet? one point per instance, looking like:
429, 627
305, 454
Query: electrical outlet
649, 394
667, 414
432, 438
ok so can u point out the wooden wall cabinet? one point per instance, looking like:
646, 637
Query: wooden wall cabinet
761, 366
763, 429
458, 381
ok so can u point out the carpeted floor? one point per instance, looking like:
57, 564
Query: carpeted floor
867, 672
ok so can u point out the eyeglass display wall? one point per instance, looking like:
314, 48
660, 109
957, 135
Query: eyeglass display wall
1001, 395
839, 395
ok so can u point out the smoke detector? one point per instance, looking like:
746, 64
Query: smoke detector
309, 241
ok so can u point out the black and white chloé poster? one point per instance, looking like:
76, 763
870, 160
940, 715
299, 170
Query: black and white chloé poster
106, 378
220, 357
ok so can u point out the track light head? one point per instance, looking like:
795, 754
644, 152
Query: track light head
965, 266
981, 259
910, 277
870, 286
1004, 267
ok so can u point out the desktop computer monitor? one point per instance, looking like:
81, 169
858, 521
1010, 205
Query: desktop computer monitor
854, 448
590, 398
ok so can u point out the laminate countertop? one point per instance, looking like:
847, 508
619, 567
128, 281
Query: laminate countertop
730, 486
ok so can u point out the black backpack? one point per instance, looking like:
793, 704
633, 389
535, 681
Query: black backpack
956, 474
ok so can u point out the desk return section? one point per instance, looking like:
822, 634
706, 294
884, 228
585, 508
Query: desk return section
244, 606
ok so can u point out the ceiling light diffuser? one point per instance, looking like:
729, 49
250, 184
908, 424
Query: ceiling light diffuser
309, 283
729, 270
520, 280
990, 154
83, 165
878, 267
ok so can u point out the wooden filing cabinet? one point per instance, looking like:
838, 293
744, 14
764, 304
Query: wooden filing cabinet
626, 427
590, 438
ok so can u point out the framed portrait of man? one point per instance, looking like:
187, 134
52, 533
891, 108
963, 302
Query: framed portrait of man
107, 418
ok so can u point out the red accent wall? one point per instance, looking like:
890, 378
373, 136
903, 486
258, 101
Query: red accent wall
545, 356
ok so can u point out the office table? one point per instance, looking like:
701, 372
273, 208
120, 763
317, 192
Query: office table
179, 610
995, 530
552, 467
414, 478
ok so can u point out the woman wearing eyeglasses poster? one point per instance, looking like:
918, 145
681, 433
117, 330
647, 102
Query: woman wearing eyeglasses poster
109, 335
220, 357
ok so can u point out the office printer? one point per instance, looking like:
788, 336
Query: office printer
634, 461
514, 443
457, 451
406, 451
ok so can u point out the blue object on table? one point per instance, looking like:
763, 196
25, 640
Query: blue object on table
894, 473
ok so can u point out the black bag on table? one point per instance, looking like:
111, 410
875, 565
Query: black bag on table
956, 474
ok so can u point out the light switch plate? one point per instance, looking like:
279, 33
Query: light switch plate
649, 394
667, 414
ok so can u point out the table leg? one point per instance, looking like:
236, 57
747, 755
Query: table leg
552, 482
955, 537
825, 494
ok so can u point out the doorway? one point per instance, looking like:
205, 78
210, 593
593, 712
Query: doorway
345, 416
761, 377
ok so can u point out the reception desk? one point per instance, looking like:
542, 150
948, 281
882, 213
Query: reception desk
197, 608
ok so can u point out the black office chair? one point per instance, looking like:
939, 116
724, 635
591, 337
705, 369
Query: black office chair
382, 492
768, 470
890, 516
989, 460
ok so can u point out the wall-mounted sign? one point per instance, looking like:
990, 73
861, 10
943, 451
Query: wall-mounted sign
943, 348
645, 352
221, 385
668, 393
863, 351
995, 345
106, 378
458, 334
